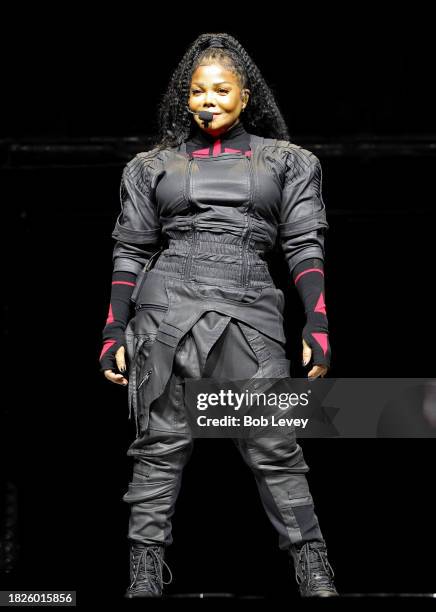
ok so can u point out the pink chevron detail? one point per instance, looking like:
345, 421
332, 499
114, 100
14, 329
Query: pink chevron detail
123, 283
320, 305
216, 147
322, 340
248, 153
106, 347
306, 272
201, 153
110, 315
228, 150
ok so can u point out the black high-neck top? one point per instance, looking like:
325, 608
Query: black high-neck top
234, 140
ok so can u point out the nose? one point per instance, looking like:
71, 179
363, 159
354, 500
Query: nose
210, 98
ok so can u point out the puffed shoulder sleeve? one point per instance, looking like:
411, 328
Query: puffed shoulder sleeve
303, 220
138, 220
137, 229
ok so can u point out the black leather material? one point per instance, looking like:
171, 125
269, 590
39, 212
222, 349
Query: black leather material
274, 194
216, 347
209, 306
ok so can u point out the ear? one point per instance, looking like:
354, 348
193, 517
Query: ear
245, 94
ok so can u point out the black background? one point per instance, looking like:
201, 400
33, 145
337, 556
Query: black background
357, 76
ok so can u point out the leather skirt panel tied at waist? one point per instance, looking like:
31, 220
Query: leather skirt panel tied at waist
218, 259
170, 311
191, 291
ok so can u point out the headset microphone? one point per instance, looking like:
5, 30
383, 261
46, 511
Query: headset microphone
205, 116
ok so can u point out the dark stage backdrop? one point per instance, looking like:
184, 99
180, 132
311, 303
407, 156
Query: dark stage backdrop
362, 102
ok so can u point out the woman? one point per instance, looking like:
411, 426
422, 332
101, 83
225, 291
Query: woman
203, 207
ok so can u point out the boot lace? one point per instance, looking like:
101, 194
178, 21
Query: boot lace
313, 566
141, 570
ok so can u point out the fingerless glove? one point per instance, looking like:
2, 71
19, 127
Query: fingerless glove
113, 334
308, 277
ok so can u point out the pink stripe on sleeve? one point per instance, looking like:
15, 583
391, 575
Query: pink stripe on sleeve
306, 272
320, 305
106, 347
123, 283
321, 338
110, 315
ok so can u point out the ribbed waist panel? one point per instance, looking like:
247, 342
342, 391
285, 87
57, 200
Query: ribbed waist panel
223, 260
212, 240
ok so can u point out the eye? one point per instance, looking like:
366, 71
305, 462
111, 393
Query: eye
224, 90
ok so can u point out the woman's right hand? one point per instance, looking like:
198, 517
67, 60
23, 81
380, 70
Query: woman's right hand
120, 359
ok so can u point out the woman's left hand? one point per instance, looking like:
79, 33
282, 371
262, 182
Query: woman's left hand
318, 371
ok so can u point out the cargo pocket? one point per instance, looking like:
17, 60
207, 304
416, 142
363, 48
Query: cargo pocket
140, 345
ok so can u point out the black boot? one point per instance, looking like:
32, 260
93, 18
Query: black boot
146, 564
313, 571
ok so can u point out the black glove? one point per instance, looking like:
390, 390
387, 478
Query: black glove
308, 277
113, 334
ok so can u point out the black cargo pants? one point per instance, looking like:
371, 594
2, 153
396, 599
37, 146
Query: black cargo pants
162, 451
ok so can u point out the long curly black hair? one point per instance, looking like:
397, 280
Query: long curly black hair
261, 116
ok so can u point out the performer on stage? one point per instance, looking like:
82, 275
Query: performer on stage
203, 208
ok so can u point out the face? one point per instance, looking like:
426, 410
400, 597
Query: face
217, 90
